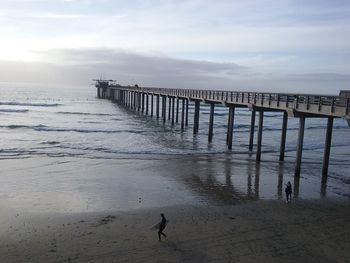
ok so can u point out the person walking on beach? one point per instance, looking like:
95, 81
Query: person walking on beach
162, 225
288, 191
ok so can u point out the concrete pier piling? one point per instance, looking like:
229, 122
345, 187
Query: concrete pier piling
164, 108
283, 136
172, 111
183, 114
186, 120
196, 116
142, 102
260, 132
252, 129
169, 109
152, 102
211, 122
327, 149
231, 118
177, 110
300, 145
291, 105
157, 106
138, 101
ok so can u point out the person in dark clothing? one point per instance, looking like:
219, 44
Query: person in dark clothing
288, 191
162, 226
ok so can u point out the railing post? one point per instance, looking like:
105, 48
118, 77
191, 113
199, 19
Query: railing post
320, 104
332, 104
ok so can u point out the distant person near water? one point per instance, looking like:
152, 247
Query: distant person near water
162, 226
288, 191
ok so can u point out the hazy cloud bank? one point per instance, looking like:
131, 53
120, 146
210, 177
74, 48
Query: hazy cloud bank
78, 67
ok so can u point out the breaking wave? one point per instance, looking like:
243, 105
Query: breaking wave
45, 128
83, 113
15, 103
14, 110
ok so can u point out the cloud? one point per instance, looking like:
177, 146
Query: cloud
127, 62
56, 16
71, 67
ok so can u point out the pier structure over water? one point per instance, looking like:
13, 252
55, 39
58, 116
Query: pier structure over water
301, 106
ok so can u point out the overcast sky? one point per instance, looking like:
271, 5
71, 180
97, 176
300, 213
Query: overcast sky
269, 45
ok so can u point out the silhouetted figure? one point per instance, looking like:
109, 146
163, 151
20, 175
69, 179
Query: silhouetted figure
162, 225
288, 191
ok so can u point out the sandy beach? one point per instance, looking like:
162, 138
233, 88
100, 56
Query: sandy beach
254, 231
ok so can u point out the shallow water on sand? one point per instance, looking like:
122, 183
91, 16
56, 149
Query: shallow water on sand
63, 150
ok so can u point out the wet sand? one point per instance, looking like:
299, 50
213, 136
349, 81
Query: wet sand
252, 231
92, 210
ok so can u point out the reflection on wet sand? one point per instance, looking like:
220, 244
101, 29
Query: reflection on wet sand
280, 181
220, 180
256, 181
323, 190
228, 168
296, 186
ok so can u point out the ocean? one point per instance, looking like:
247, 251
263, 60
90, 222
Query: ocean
64, 150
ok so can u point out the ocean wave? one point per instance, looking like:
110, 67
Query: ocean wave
309, 147
215, 114
14, 110
83, 113
18, 126
16, 103
50, 142
236, 126
45, 128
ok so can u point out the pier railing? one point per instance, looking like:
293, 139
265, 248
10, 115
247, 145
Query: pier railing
335, 106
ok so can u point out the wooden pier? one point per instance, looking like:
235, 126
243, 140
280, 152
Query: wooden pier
301, 106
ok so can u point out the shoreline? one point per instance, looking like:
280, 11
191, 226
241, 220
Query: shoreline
251, 231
